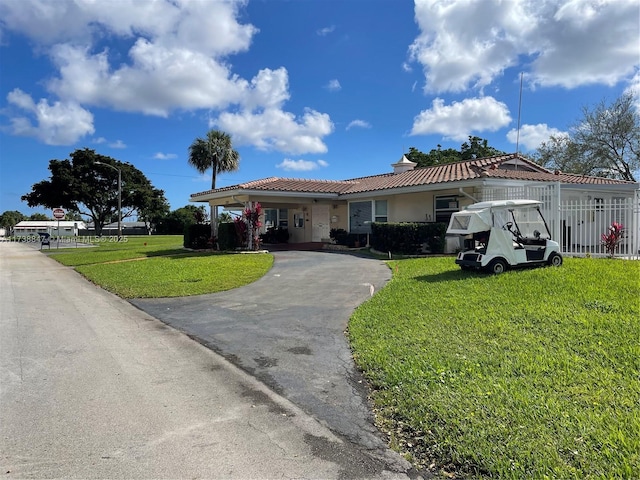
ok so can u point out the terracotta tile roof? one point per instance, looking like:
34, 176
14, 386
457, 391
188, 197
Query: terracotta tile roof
277, 184
501, 166
555, 177
451, 172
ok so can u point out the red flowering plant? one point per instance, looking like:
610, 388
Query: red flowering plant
248, 227
612, 238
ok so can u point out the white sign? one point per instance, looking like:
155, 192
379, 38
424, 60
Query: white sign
58, 213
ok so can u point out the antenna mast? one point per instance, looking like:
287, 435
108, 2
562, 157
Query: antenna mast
518, 131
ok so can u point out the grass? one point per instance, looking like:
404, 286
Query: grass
529, 374
158, 266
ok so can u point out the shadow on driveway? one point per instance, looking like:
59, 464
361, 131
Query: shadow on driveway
287, 329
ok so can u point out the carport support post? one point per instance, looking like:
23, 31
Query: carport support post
249, 206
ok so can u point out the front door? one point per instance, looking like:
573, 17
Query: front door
319, 222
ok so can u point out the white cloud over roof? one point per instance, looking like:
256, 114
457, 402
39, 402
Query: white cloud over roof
531, 136
469, 43
458, 120
301, 165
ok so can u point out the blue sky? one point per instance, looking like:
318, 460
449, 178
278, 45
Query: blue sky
307, 88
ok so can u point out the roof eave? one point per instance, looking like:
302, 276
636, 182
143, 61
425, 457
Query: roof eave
262, 193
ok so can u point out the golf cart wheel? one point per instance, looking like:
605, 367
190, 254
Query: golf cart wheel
555, 259
497, 266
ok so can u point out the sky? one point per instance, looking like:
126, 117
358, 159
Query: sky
318, 89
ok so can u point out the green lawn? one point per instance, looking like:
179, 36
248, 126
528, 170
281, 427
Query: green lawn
529, 374
158, 266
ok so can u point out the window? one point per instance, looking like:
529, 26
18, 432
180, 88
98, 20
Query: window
298, 220
380, 211
445, 206
283, 218
274, 217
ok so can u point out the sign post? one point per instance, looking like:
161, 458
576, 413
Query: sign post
58, 213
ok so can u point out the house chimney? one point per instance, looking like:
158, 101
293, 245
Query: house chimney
403, 165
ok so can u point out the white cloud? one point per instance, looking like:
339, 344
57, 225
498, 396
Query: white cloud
634, 89
173, 59
118, 144
326, 30
458, 120
99, 140
165, 156
301, 165
60, 123
359, 124
333, 85
531, 136
568, 43
273, 129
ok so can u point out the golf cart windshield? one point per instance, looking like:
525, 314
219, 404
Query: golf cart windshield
530, 223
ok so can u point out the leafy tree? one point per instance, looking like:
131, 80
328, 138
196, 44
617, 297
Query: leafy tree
39, 217
73, 216
81, 186
476, 147
178, 220
225, 217
605, 142
214, 152
10, 218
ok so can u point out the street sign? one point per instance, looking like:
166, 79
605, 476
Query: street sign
58, 213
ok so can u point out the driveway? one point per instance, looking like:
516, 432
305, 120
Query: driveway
287, 329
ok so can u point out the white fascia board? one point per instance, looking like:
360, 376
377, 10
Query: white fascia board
263, 193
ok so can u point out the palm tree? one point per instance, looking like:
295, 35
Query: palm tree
216, 152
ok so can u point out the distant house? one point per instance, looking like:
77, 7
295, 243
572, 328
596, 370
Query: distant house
311, 208
67, 228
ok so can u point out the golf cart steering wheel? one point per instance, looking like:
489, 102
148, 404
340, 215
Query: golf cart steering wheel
508, 226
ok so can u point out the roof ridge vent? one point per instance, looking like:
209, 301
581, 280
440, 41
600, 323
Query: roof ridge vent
403, 165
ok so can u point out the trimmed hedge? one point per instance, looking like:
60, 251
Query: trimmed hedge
408, 238
197, 236
227, 236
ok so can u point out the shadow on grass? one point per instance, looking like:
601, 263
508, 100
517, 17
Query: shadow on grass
181, 253
452, 276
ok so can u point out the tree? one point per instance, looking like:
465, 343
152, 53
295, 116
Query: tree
214, 152
476, 147
81, 186
605, 142
178, 220
10, 218
39, 217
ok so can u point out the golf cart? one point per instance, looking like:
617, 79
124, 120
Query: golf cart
504, 234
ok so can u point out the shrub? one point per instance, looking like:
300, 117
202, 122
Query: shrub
612, 238
227, 238
198, 236
408, 238
275, 235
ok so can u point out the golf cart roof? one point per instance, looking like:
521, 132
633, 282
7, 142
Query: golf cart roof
478, 217
503, 204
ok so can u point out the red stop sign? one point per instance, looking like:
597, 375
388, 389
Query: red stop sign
58, 213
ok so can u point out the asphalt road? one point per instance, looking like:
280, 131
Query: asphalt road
92, 387
288, 330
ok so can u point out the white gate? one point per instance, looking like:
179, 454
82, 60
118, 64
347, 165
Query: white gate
578, 225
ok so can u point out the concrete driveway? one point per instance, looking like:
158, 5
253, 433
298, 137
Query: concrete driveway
287, 329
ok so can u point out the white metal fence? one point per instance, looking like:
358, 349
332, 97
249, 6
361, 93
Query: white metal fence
578, 225
584, 223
